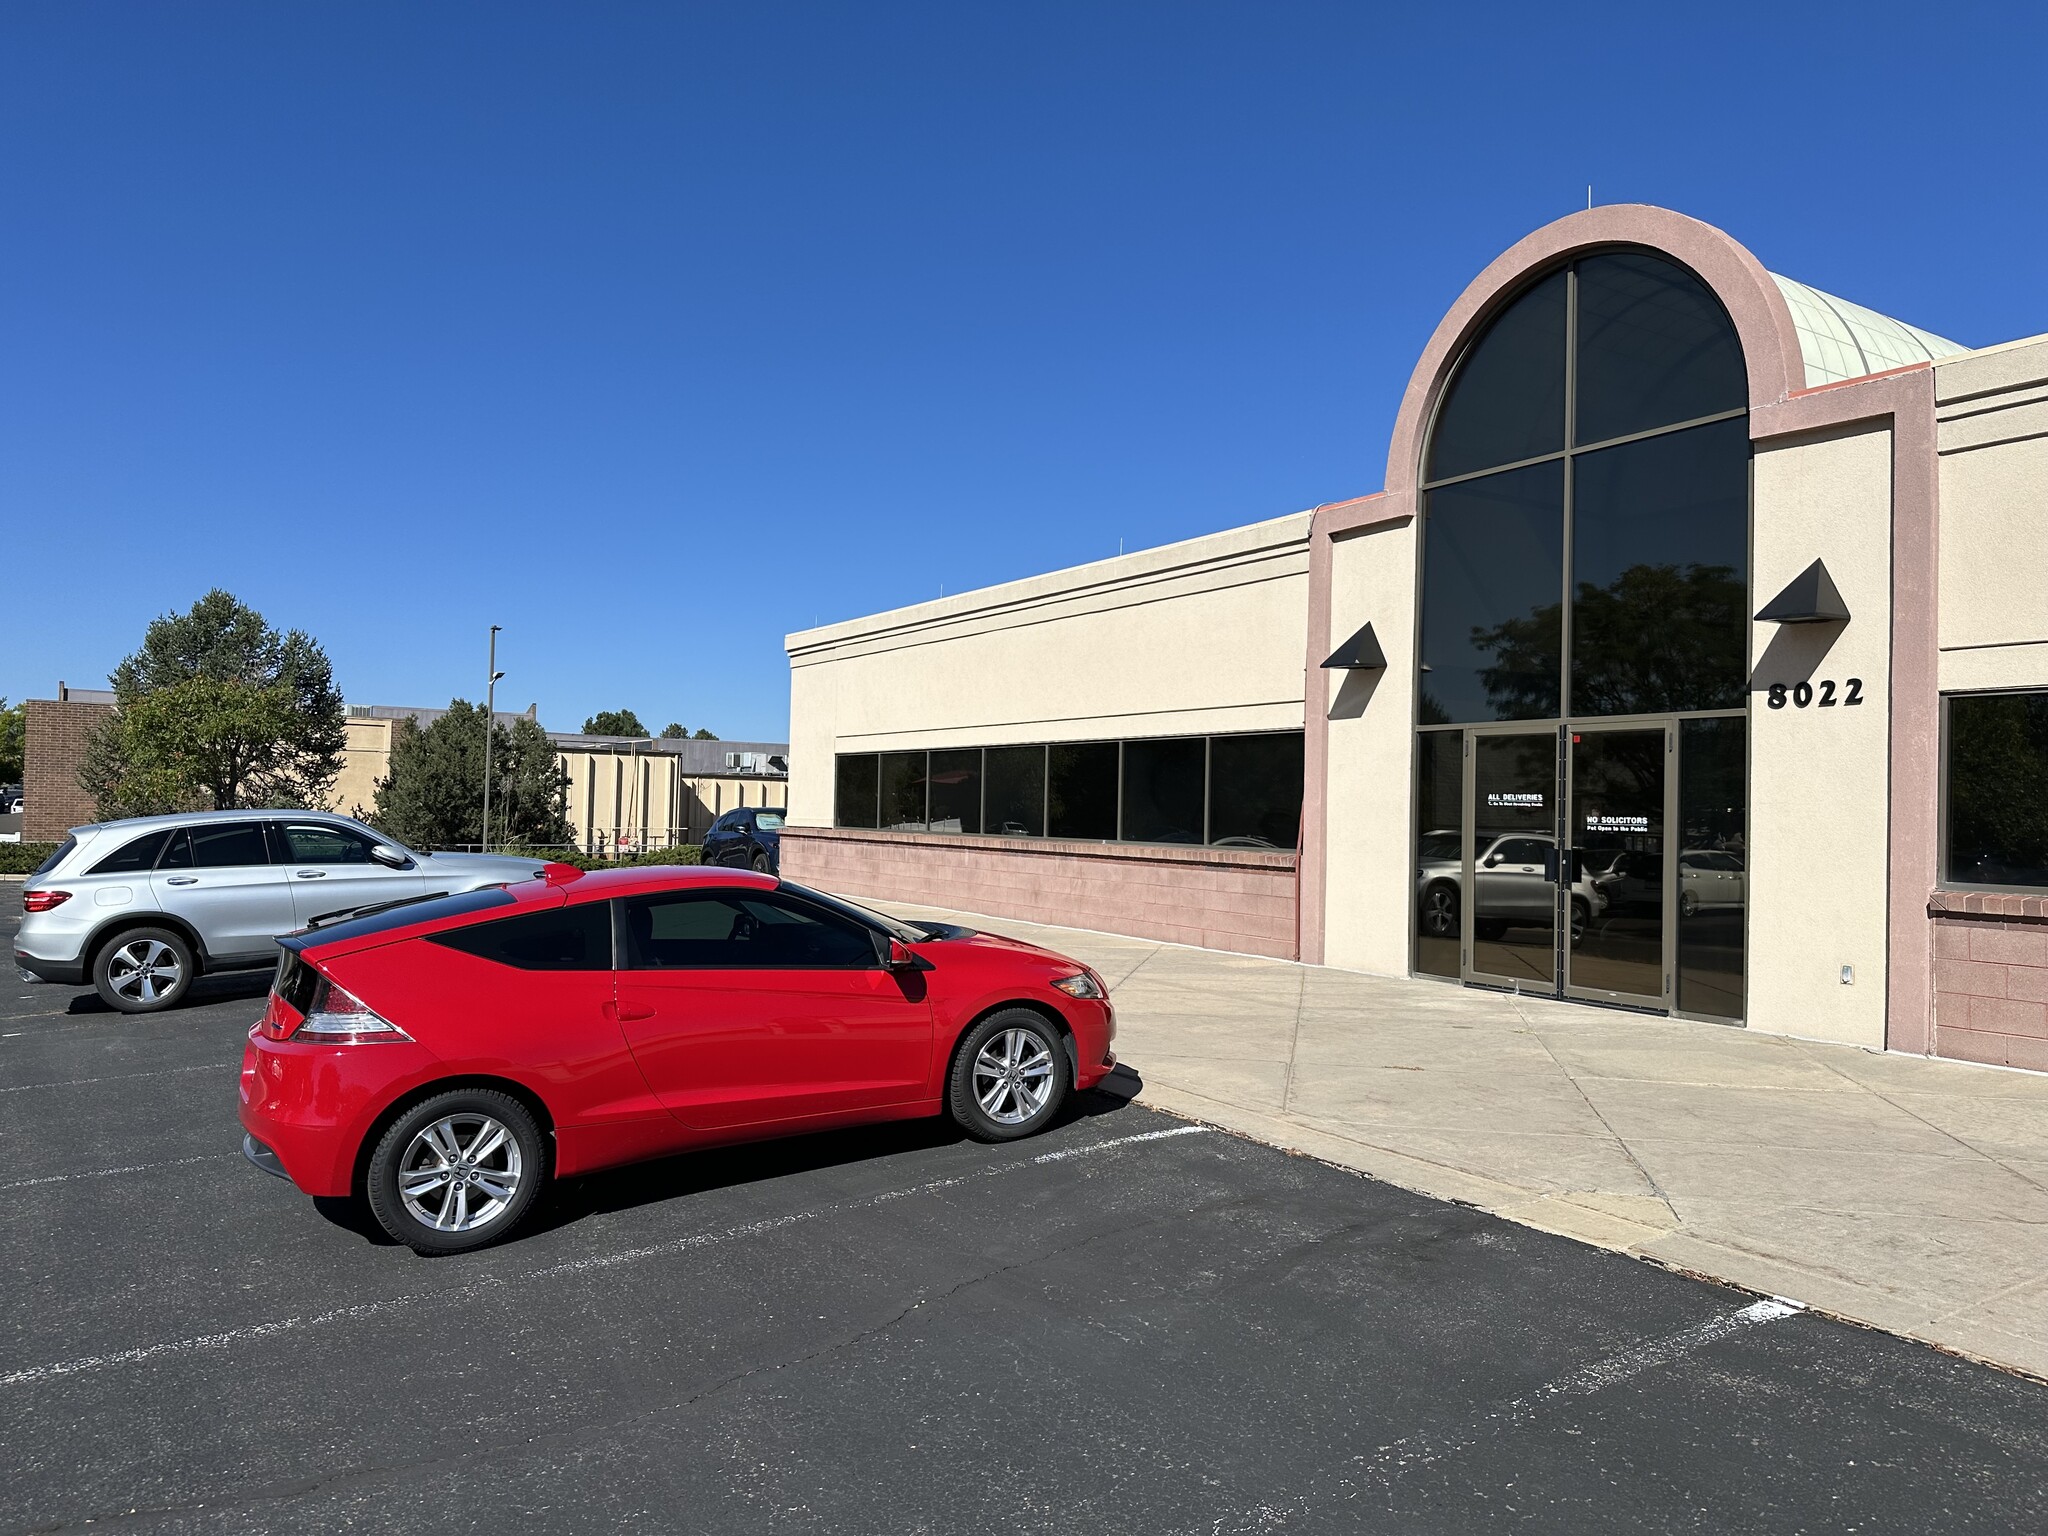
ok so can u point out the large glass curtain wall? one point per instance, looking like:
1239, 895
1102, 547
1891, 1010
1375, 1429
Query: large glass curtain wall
1222, 791
1586, 557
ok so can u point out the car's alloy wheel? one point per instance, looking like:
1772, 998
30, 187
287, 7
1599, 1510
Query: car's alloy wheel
1580, 917
760, 863
1009, 1077
1688, 904
1440, 912
458, 1171
143, 971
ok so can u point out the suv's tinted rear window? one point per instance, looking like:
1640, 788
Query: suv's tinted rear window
139, 854
57, 856
577, 938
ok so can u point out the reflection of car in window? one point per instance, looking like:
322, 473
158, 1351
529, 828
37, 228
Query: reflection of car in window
1515, 883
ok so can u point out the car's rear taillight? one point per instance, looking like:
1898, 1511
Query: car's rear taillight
43, 901
333, 1016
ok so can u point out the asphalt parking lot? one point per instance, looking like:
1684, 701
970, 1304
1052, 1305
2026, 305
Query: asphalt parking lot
1129, 1324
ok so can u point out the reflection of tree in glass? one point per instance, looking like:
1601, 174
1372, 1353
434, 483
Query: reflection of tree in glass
1659, 639
1998, 789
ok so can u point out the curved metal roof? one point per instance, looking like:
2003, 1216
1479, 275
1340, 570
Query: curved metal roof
1839, 340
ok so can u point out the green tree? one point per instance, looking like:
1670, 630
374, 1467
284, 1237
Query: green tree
432, 794
614, 722
14, 741
704, 735
217, 710
669, 732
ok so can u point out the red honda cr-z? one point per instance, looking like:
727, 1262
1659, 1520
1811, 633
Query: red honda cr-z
445, 1058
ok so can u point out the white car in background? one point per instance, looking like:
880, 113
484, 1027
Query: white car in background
139, 908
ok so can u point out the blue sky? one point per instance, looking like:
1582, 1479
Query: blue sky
653, 332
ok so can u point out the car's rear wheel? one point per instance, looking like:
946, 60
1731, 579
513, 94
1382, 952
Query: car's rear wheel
143, 970
760, 863
1009, 1077
458, 1171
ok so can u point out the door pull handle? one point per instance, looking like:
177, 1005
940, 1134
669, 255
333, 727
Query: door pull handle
624, 1012
182, 880
312, 874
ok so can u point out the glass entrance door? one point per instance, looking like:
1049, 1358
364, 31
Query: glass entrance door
1620, 785
1511, 860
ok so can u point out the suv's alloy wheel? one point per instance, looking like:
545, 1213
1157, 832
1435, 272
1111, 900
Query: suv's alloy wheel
143, 970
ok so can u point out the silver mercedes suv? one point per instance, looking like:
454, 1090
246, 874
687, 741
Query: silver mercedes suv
139, 908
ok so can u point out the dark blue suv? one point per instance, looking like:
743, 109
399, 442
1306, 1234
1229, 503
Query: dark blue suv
748, 838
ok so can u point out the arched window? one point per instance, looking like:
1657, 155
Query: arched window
1586, 504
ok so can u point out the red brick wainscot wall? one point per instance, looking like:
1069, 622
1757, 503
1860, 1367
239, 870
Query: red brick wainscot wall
1991, 977
1218, 898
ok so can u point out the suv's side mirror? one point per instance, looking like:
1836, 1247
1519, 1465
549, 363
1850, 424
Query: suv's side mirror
388, 856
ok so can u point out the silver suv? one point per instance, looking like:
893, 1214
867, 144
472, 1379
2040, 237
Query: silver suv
141, 907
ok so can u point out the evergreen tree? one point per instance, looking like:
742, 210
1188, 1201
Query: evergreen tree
614, 722
432, 795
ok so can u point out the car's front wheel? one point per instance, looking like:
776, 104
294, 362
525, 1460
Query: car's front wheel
760, 862
458, 1171
1010, 1076
143, 970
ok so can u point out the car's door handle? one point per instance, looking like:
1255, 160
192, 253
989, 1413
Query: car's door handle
624, 1011
182, 880
312, 874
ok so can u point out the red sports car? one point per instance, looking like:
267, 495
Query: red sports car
445, 1058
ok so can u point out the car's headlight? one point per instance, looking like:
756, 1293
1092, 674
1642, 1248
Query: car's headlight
1087, 985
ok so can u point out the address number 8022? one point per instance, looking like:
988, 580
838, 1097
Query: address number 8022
1802, 694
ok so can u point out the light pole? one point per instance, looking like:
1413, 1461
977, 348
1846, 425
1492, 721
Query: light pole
490, 719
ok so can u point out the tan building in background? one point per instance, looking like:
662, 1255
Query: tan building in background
623, 792
634, 793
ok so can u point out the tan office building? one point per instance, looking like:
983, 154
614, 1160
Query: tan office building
1693, 659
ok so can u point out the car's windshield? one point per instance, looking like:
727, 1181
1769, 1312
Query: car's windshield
1440, 845
860, 914
767, 821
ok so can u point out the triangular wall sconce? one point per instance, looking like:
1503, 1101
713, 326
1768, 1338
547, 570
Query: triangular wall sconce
1809, 598
1361, 653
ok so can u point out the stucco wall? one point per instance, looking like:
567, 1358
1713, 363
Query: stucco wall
1992, 412
1369, 790
1819, 777
1193, 638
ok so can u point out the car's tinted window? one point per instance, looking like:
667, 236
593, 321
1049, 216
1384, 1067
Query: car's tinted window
138, 854
1521, 850
739, 930
323, 843
57, 855
216, 845
577, 938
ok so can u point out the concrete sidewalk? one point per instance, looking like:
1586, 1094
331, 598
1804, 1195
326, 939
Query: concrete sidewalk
1908, 1194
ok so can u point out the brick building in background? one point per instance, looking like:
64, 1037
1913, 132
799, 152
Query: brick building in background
52, 803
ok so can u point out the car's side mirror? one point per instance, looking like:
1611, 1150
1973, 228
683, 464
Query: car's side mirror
892, 954
1491, 860
388, 856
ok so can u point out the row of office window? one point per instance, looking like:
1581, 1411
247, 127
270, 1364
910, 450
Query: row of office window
1223, 791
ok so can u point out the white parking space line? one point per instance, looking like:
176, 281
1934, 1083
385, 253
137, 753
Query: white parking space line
108, 1173
232, 1336
123, 1077
1413, 1451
